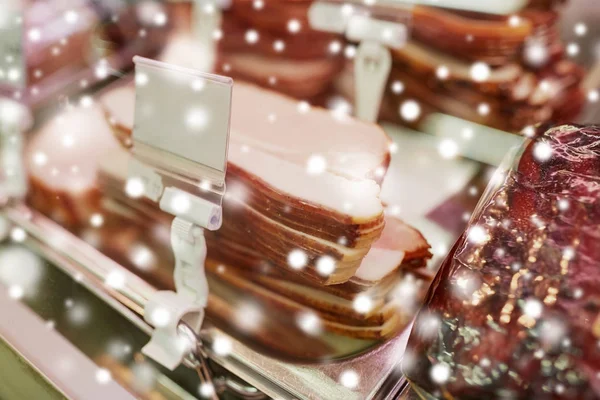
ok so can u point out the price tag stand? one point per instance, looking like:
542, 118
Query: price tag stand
180, 158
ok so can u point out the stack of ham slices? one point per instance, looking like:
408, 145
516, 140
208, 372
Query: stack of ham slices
270, 43
508, 72
303, 226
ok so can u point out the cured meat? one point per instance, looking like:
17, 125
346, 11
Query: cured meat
513, 96
506, 72
274, 46
236, 261
493, 39
68, 43
303, 79
62, 160
514, 310
273, 208
45, 27
350, 148
272, 198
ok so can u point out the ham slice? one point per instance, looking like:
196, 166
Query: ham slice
299, 63
303, 79
292, 47
350, 148
49, 55
62, 161
396, 242
494, 40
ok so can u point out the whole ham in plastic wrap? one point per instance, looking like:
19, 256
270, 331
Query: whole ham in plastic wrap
514, 311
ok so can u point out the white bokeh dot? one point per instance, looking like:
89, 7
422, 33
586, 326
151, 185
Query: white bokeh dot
222, 345
15, 292
279, 46
542, 151
397, 87
533, 308
335, 47
325, 265
103, 376
207, 390
309, 322
181, 203
448, 148
316, 164
297, 259
160, 317
477, 235
160, 18
197, 118
251, 36
115, 279
480, 72
572, 49
294, 26
96, 220
362, 303
134, 187
18, 234
141, 79
71, 16
410, 110
442, 72
514, 20
483, 109
34, 34
303, 107
440, 373
580, 29
349, 379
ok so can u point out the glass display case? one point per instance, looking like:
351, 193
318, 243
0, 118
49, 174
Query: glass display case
359, 139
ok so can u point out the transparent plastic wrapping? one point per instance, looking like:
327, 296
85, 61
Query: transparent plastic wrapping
514, 310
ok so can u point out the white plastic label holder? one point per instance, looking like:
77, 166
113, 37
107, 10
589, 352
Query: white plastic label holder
372, 66
373, 60
185, 141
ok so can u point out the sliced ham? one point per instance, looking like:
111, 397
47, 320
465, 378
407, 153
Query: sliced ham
396, 242
273, 207
351, 148
530, 81
299, 63
62, 161
303, 79
49, 55
336, 212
